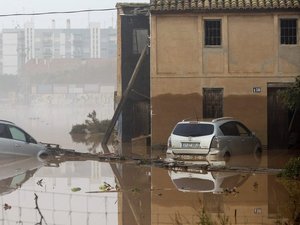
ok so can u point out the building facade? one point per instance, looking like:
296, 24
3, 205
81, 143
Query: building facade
133, 36
223, 58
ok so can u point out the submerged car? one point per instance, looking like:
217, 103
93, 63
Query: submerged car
15, 141
221, 137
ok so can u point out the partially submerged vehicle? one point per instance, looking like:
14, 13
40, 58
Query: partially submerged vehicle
219, 138
15, 141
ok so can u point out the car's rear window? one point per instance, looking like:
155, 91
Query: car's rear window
193, 130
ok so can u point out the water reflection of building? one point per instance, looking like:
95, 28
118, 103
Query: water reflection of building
58, 203
256, 201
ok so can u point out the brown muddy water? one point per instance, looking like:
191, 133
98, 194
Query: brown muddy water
92, 192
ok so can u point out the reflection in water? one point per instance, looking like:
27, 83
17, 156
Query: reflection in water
92, 141
57, 202
249, 202
216, 197
16, 170
214, 182
71, 194
288, 207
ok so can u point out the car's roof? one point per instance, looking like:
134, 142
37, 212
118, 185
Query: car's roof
6, 122
217, 121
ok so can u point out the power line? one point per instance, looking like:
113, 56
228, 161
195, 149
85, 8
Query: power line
57, 12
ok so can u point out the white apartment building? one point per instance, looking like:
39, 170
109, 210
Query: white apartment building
95, 40
29, 44
11, 52
21, 45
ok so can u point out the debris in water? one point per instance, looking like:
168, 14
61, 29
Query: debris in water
6, 206
76, 189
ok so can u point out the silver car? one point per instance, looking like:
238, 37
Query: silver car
15, 141
220, 137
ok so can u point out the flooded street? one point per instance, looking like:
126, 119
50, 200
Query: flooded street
86, 193
93, 192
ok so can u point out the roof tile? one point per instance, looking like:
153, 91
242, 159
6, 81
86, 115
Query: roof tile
234, 4
166, 5
254, 4
188, 5
193, 4
281, 4
268, 4
213, 4
179, 5
289, 3
206, 4
226, 4
247, 4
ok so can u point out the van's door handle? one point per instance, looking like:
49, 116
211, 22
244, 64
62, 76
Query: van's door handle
17, 145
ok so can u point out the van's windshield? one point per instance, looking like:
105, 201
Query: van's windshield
193, 129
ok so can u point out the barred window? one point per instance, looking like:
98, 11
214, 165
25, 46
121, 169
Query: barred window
212, 102
288, 31
212, 32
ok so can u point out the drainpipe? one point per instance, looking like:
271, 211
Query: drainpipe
124, 98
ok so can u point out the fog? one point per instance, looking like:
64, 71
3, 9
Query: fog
56, 69
79, 20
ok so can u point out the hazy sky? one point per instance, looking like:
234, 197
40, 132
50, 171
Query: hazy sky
79, 20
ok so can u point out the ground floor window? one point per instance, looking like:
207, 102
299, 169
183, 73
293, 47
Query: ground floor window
212, 102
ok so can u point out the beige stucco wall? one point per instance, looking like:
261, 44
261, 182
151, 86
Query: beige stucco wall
250, 56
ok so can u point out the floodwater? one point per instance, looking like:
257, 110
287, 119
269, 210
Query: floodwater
93, 192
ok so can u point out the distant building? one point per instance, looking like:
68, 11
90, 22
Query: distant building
95, 40
19, 46
108, 38
12, 51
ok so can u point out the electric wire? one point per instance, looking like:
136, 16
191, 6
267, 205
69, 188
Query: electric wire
57, 12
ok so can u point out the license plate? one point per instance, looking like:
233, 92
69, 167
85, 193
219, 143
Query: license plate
190, 145
192, 157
